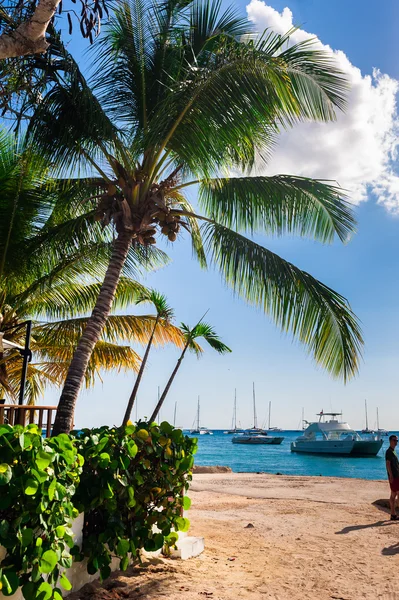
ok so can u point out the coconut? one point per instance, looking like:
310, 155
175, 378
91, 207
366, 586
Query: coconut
161, 216
165, 229
150, 240
172, 236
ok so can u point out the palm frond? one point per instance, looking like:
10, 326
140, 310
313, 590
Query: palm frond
314, 313
207, 332
208, 25
279, 204
160, 303
135, 329
195, 232
71, 114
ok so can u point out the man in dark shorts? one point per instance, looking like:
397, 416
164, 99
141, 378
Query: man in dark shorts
392, 464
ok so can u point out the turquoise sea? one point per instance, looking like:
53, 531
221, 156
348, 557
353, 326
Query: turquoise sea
218, 449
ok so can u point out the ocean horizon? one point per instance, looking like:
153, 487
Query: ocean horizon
218, 449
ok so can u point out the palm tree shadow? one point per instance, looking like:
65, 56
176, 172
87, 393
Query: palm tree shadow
368, 526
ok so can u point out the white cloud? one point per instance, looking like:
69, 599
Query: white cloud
358, 150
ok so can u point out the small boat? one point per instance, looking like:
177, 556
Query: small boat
269, 428
200, 430
366, 430
234, 429
258, 438
256, 435
335, 437
380, 431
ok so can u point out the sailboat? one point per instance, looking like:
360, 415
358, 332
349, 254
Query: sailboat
255, 429
380, 431
268, 427
234, 428
367, 430
256, 435
198, 429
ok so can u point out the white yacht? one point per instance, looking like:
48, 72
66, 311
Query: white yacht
335, 437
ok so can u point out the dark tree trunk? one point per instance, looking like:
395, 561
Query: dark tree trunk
133, 395
91, 335
167, 388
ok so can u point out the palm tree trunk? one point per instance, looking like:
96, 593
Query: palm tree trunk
91, 335
133, 395
166, 390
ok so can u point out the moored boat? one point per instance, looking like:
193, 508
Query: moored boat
250, 438
335, 437
256, 435
200, 430
234, 429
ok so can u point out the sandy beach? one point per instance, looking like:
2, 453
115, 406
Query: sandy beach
276, 537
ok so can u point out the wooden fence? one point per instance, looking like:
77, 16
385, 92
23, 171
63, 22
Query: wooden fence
14, 414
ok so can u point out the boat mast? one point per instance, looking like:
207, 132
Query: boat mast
365, 407
303, 418
235, 409
378, 421
174, 416
270, 405
255, 418
198, 414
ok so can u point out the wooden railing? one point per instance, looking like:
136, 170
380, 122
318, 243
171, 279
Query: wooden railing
14, 414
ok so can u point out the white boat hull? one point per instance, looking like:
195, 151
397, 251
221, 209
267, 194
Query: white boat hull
340, 447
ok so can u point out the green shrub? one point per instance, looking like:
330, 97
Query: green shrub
132, 490
38, 479
128, 481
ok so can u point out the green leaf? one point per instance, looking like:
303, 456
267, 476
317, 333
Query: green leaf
105, 572
158, 541
27, 536
124, 563
60, 531
5, 473
48, 561
65, 583
39, 475
132, 448
122, 547
4, 527
31, 487
51, 489
182, 524
10, 581
186, 502
104, 459
44, 591
43, 459
29, 590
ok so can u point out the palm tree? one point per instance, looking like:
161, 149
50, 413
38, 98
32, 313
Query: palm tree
50, 254
164, 315
178, 99
201, 330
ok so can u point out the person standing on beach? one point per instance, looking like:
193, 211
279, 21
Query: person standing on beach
392, 464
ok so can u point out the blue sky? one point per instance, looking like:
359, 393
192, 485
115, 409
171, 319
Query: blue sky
359, 152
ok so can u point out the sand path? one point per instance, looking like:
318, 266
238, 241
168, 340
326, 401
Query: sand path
312, 538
